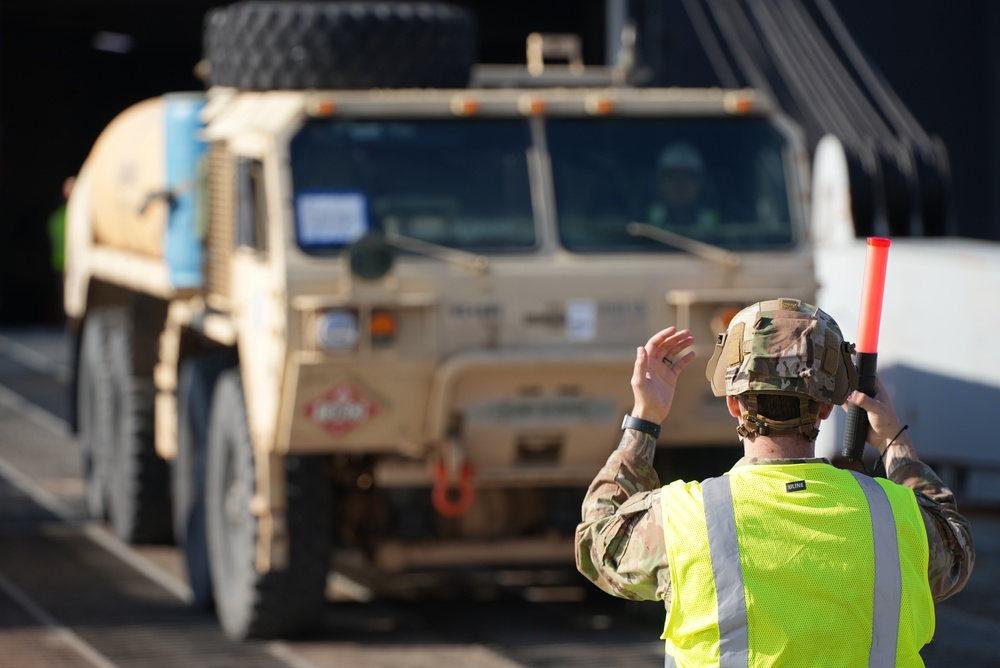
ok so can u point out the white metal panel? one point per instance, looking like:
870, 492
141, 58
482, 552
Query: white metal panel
936, 351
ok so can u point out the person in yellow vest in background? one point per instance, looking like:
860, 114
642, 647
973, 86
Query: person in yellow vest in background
785, 560
56, 229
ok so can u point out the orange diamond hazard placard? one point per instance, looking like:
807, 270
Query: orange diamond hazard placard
341, 409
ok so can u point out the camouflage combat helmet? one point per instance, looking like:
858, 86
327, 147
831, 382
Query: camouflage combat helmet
782, 346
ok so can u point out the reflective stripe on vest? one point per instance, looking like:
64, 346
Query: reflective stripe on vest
734, 642
725, 554
888, 577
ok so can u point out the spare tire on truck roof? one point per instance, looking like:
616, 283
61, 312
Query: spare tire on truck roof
339, 45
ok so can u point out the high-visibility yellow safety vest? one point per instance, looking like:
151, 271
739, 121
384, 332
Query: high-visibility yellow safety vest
777, 565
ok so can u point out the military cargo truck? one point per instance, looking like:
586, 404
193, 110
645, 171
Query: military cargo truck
364, 299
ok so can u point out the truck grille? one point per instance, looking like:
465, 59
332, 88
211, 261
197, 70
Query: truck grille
219, 241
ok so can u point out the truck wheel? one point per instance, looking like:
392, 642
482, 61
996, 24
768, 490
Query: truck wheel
303, 45
252, 604
195, 384
93, 411
139, 483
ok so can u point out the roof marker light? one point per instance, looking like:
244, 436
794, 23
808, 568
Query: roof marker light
531, 106
599, 105
325, 108
464, 106
739, 103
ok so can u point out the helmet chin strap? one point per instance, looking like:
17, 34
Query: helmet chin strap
751, 423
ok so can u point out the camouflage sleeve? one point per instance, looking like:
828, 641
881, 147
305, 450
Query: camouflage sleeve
619, 543
952, 553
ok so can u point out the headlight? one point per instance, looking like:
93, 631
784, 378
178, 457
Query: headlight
337, 330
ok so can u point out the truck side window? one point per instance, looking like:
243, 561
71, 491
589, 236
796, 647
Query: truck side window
251, 209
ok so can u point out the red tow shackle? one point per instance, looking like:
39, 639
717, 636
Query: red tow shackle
452, 500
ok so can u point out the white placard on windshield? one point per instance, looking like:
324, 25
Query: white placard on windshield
331, 217
581, 319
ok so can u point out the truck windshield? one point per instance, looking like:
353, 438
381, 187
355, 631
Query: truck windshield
462, 184
718, 180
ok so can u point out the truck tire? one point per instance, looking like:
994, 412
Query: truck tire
139, 483
250, 604
93, 401
196, 382
339, 45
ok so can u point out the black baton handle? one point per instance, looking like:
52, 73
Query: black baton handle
857, 418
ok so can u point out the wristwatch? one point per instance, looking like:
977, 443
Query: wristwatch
645, 426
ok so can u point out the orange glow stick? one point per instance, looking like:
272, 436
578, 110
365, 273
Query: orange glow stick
866, 355
871, 295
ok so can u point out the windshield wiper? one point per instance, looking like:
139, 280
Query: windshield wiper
705, 251
471, 261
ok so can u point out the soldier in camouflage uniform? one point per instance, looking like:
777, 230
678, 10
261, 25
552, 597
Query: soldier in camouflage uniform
782, 366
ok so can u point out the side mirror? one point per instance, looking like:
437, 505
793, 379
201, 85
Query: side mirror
371, 257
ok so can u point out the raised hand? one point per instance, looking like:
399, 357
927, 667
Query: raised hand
657, 367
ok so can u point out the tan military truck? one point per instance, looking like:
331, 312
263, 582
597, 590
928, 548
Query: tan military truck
364, 300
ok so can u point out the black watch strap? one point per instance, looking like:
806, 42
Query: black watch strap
645, 426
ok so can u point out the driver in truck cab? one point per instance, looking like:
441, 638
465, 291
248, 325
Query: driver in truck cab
682, 191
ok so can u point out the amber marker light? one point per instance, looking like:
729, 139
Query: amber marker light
531, 106
383, 326
463, 106
325, 108
739, 103
600, 106
723, 316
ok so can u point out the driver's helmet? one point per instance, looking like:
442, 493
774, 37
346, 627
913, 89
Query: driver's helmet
681, 156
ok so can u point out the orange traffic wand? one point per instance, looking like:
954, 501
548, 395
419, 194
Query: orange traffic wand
866, 355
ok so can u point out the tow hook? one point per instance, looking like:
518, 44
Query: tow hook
453, 492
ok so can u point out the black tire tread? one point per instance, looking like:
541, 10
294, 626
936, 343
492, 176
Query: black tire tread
140, 485
339, 45
278, 603
93, 401
196, 383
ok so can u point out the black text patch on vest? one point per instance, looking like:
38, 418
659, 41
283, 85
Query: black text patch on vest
796, 486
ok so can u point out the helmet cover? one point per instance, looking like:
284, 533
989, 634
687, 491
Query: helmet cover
783, 346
